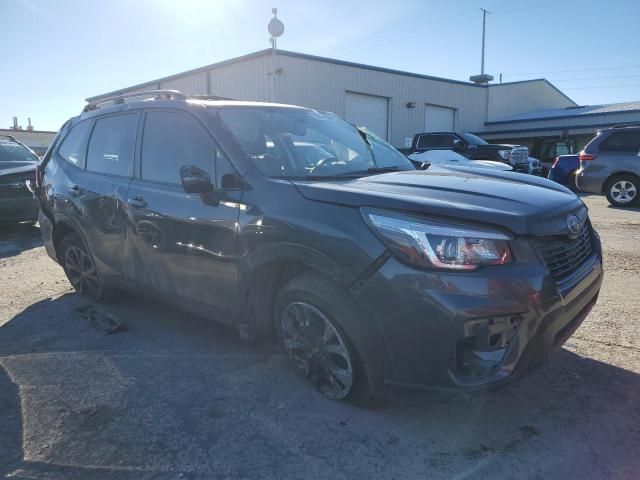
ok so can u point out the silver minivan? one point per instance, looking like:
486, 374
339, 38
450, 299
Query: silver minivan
610, 165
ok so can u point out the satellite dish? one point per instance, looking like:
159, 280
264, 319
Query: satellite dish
276, 27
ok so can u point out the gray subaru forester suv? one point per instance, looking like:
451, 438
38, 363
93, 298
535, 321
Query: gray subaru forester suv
368, 271
610, 165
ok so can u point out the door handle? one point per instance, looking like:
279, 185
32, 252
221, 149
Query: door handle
137, 201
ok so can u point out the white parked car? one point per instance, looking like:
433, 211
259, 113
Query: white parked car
449, 157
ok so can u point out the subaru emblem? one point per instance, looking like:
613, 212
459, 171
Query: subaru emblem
574, 225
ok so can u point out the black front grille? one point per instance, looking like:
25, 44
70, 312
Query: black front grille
564, 255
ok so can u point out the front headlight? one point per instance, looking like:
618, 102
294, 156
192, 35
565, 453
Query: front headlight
437, 244
505, 154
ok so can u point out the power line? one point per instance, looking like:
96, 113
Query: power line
573, 71
601, 86
592, 78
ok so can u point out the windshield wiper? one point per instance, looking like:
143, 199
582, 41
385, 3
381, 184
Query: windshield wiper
372, 171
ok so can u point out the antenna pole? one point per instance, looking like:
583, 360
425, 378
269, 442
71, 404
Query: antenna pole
276, 28
484, 22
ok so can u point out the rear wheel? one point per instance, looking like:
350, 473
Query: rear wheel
622, 190
320, 331
80, 269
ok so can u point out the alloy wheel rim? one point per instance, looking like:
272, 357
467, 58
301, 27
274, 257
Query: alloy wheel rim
82, 272
623, 191
317, 350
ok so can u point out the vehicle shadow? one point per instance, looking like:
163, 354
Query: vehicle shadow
624, 209
16, 238
175, 396
10, 424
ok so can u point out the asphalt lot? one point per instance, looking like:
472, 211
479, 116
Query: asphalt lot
173, 396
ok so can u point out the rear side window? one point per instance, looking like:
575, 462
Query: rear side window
171, 140
623, 141
435, 141
112, 145
74, 146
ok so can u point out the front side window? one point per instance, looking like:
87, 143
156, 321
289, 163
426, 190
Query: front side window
302, 144
628, 142
74, 146
12, 151
171, 140
112, 145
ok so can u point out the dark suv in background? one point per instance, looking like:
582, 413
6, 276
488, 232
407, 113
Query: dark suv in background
17, 169
474, 148
610, 165
368, 271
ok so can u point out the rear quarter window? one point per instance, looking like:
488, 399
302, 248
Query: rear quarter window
74, 146
622, 141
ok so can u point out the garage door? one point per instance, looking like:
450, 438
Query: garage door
439, 119
367, 111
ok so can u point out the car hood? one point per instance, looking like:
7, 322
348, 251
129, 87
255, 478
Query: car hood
501, 145
523, 204
10, 168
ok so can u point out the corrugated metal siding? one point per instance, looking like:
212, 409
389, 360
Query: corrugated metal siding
322, 85
510, 99
195, 84
247, 80
607, 119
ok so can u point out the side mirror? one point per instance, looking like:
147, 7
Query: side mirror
195, 180
458, 146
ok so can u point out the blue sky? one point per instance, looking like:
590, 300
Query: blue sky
58, 52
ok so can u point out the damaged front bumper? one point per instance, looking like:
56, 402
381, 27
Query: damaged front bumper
471, 331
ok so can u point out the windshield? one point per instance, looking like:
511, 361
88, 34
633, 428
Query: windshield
303, 144
472, 139
12, 151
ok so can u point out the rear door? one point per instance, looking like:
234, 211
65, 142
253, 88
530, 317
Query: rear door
181, 245
103, 189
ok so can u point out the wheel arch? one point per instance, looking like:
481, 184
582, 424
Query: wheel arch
605, 184
264, 273
63, 227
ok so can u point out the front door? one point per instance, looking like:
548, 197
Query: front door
181, 245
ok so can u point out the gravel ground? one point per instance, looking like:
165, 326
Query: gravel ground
173, 396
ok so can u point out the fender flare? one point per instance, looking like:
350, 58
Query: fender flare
70, 223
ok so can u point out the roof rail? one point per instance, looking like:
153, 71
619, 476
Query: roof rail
119, 99
209, 97
625, 125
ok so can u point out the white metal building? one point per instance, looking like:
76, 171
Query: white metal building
393, 103
36, 140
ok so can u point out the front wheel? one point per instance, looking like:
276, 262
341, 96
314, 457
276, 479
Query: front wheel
622, 190
324, 340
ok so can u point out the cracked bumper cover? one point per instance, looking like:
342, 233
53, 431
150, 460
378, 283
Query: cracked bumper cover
470, 331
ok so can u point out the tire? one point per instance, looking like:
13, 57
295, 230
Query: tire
333, 349
80, 269
623, 190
